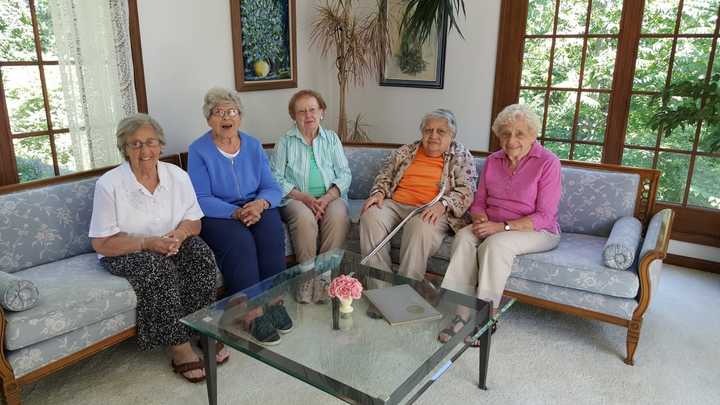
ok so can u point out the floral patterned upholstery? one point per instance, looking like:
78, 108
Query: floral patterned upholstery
74, 292
33, 357
44, 225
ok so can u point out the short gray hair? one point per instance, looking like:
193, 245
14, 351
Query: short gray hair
130, 124
440, 113
514, 113
218, 95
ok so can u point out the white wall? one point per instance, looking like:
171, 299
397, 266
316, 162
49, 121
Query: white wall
394, 112
187, 48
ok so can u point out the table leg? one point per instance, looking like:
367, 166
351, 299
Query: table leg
484, 354
209, 348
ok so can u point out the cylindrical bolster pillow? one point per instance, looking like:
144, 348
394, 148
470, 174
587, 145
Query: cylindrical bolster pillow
622, 244
17, 294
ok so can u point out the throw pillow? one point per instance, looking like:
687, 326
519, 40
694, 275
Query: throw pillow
622, 244
17, 294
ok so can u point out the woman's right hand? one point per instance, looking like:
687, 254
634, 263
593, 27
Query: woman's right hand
374, 199
161, 244
311, 202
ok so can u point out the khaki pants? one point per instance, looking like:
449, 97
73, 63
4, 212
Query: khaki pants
420, 239
304, 229
482, 267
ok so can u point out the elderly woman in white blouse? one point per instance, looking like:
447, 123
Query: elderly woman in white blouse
144, 227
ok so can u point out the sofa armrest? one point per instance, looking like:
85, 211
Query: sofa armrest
653, 252
6, 372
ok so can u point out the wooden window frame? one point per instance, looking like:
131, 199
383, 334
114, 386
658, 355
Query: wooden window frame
692, 224
8, 168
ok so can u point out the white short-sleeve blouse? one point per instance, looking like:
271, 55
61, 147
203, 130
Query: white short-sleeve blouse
122, 204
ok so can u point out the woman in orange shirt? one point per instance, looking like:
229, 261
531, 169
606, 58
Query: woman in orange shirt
411, 177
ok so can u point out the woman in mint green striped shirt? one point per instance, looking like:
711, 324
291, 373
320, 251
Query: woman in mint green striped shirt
310, 165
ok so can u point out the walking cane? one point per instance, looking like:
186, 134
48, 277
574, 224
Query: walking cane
400, 225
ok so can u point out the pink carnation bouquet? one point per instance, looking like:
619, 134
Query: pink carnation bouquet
345, 287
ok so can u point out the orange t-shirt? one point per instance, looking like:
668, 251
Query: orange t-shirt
421, 181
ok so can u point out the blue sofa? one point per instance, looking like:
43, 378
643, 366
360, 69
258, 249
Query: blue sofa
83, 309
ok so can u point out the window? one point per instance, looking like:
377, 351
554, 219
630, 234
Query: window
590, 68
36, 141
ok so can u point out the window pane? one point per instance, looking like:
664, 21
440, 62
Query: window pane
16, 35
588, 153
638, 131
699, 16
536, 62
705, 188
561, 111
674, 167
561, 149
605, 16
659, 16
535, 99
599, 63
566, 65
540, 17
24, 98
47, 37
651, 66
571, 16
57, 100
637, 158
707, 138
691, 59
592, 118
69, 153
33, 158
680, 138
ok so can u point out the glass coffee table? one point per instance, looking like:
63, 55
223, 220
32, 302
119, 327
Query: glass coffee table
372, 362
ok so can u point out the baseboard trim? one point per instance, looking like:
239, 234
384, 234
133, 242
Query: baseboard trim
693, 263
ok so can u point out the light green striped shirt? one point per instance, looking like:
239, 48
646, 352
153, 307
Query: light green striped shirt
291, 164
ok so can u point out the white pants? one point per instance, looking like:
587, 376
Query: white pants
482, 267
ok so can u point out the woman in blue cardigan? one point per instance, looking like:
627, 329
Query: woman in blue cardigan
239, 197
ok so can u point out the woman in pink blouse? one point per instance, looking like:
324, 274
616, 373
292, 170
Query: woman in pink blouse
514, 213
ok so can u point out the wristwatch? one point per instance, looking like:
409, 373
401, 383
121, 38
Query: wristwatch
445, 204
507, 226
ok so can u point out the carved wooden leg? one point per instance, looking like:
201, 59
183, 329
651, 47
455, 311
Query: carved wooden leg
633, 337
11, 393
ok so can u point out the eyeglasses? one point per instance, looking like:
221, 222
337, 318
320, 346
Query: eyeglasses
232, 112
440, 131
150, 143
311, 110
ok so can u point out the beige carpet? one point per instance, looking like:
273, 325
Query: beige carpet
538, 357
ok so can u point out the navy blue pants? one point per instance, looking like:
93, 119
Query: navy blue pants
246, 255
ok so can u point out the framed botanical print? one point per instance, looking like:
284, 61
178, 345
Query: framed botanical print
264, 42
412, 64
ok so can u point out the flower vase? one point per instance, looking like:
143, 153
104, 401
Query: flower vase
346, 305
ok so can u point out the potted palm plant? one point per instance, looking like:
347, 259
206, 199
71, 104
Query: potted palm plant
361, 43
688, 103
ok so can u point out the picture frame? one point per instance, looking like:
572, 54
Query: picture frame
409, 65
264, 44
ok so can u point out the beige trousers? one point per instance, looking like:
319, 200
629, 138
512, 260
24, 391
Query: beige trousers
304, 229
419, 241
482, 267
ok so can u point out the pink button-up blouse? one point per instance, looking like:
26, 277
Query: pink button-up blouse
533, 189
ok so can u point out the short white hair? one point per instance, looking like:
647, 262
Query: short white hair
514, 113
218, 95
440, 113
130, 124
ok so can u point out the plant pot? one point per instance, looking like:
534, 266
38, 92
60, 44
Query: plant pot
262, 68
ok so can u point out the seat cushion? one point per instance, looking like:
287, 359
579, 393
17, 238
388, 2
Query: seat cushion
577, 263
74, 292
35, 356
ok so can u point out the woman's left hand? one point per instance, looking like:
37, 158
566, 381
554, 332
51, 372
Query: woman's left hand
485, 229
432, 214
251, 212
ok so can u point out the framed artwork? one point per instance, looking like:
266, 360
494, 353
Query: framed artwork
263, 33
411, 64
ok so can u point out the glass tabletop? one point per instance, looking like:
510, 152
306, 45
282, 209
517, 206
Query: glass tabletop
373, 361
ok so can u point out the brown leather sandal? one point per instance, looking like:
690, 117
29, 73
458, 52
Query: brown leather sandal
185, 367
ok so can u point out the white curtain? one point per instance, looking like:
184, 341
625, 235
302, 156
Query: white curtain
93, 48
